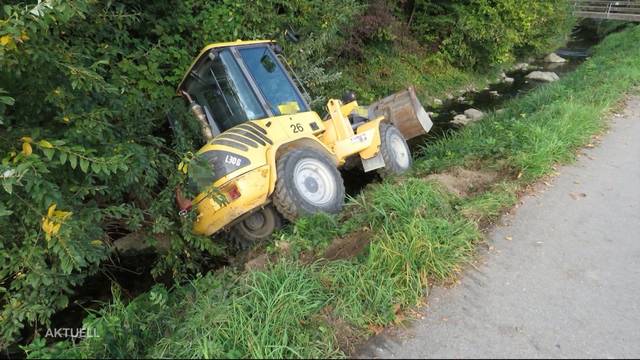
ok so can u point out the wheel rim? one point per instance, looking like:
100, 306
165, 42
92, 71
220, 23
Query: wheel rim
400, 151
255, 222
314, 181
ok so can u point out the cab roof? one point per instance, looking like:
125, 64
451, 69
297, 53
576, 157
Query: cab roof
206, 49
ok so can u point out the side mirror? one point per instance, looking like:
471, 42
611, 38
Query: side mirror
277, 49
349, 96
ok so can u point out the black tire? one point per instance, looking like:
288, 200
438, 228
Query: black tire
295, 193
255, 227
394, 150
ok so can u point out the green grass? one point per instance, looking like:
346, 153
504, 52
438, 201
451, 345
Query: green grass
420, 234
390, 68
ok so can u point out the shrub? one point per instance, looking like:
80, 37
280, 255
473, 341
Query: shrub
475, 33
92, 131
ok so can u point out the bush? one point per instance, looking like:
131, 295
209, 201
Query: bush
476, 33
92, 130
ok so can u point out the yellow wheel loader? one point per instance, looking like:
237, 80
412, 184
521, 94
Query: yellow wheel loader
269, 155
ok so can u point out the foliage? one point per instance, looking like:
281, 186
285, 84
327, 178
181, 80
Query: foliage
419, 233
375, 24
92, 131
91, 126
479, 32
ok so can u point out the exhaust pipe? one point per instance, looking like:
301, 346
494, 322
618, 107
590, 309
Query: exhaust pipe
198, 112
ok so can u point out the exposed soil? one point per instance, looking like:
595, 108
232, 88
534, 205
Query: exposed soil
258, 263
349, 246
347, 336
464, 182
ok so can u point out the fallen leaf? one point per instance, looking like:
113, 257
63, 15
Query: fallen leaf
576, 195
590, 145
376, 329
508, 238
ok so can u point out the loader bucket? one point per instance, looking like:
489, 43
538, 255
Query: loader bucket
404, 111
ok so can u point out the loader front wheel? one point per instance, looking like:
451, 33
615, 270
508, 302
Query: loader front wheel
308, 182
255, 227
394, 150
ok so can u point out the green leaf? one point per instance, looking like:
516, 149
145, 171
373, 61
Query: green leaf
73, 161
63, 157
48, 153
4, 211
7, 186
84, 165
96, 168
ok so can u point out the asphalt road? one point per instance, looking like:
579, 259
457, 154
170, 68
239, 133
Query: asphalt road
566, 284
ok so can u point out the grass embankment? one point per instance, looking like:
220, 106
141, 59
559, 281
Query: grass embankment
419, 233
388, 68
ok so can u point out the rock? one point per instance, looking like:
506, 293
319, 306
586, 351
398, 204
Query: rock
494, 93
437, 102
461, 120
508, 80
554, 58
547, 76
503, 75
461, 99
520, 66
474, 114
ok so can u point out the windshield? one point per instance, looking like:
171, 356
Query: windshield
224, 93
283, 98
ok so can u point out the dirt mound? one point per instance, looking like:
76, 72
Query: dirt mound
463, 182
349, 246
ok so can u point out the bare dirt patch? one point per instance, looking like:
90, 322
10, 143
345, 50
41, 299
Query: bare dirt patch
464, 182
258, 263
349, 246
347, 336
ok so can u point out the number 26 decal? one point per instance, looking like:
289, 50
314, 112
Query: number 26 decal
297, 128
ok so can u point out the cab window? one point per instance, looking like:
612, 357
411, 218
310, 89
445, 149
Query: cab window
281, 95
222, 89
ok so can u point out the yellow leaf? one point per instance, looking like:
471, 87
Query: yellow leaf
6, 40
96, 242
51, 209
26, 139
45, 144
26, 149
63, 215
24, 36
66, 120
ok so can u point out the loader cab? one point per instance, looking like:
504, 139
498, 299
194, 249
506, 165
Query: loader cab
241, 81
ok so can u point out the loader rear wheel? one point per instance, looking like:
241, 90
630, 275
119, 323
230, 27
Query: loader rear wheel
394, 150
256, 227
308, 182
